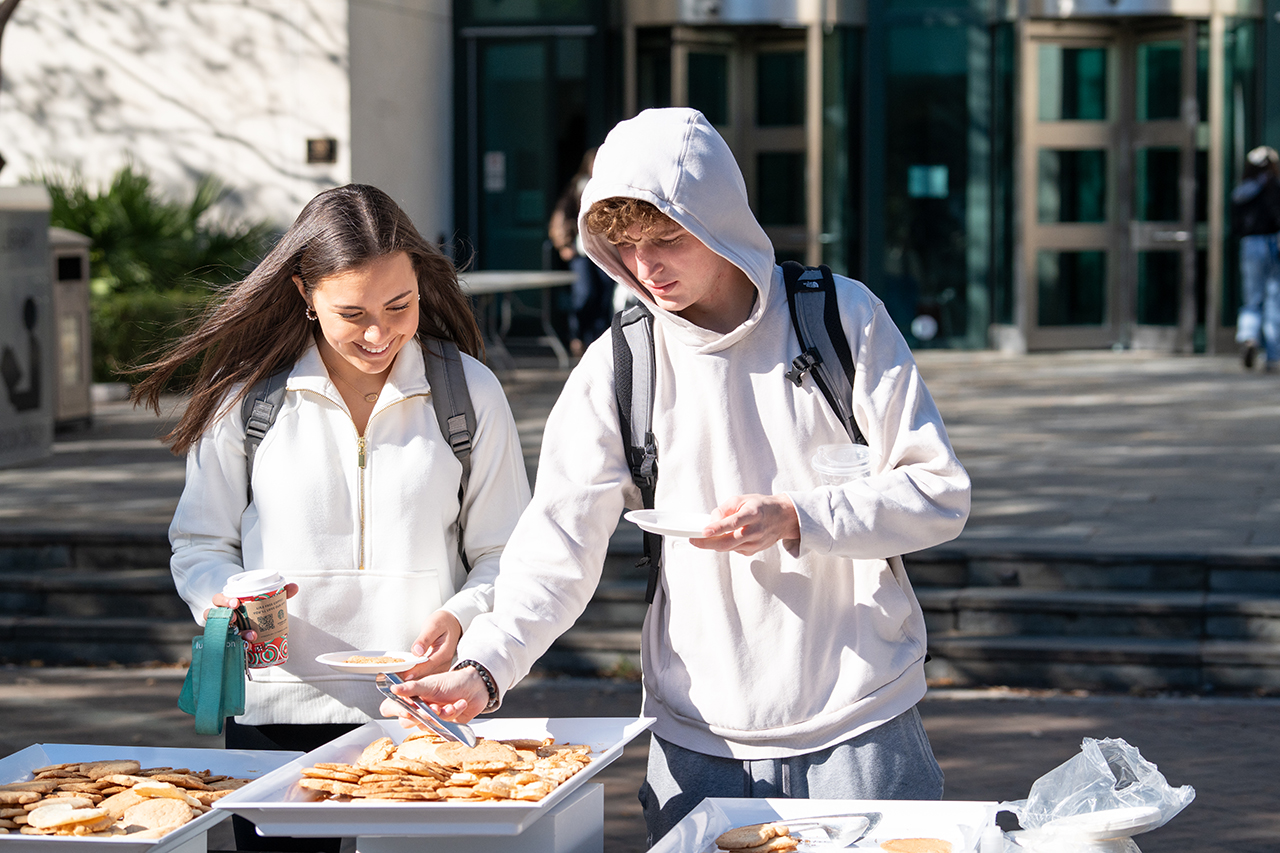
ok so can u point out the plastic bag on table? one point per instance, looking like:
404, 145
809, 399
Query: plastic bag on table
1097, 800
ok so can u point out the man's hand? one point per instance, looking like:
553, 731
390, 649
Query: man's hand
220, 600
458, 695
438, 640
748, 524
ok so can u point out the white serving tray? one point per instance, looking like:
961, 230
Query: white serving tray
227, 762
960, 822
278, 806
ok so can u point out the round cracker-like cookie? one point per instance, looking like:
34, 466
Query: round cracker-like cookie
329, 786
58, 815
916, 845
380, 750
19, 798
326, 773
747, 836
156, 812
117, 804
98, 769
780, 844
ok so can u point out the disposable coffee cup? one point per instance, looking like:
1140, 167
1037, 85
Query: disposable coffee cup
842, 463
261, 594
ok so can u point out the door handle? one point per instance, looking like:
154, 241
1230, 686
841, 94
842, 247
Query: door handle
1170, 236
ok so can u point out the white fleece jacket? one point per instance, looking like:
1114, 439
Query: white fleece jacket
373, 550
778, 653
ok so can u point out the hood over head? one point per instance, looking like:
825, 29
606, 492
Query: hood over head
675, 160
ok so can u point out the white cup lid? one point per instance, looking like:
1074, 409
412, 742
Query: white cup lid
842, 459
257, 582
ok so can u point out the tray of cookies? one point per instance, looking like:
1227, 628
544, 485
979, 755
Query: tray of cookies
59, 796
382, 779
719, 825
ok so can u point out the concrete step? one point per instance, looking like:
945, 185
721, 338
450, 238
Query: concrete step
1174, 615
1105, 663
947, 566
96, 640
90, 593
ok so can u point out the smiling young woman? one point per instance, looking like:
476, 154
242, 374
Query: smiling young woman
357, 497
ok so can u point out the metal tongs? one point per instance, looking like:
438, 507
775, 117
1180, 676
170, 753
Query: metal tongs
457, 732
842, 830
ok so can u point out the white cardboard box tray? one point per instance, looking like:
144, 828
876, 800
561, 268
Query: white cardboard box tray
958, 821
228, 762
280, 807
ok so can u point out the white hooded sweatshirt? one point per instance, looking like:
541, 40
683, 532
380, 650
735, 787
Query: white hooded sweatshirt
783, 652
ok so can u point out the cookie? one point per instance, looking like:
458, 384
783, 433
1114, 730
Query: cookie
98, 769
778, 844
916, 845
380, 750
58, 815
747, 836
116, 804
329, 786
155, 813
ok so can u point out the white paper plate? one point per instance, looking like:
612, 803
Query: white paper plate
670, 522
1108, 823
338, 661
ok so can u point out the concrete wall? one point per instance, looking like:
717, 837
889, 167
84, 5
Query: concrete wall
402, 106
181, 88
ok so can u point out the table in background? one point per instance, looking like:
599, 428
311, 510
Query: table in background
493, 289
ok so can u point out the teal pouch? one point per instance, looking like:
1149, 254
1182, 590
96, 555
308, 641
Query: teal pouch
214, 687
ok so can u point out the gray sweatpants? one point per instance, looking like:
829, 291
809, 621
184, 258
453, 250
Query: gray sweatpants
891, 762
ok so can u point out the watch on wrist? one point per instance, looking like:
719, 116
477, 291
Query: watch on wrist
486, 677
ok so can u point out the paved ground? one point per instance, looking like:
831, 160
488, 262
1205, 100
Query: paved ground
1091, 453
1071, 452
992, 744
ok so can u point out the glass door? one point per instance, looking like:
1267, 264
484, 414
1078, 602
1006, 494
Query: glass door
1071, 247
1168, 168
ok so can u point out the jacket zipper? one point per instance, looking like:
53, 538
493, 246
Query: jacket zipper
362, 462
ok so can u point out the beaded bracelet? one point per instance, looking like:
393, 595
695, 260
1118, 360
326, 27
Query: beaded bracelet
485, 677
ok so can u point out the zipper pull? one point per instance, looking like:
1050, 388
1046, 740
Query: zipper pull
360, 452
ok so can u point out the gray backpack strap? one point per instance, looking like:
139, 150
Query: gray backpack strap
824, 349
259, 408
454, 413
635, 370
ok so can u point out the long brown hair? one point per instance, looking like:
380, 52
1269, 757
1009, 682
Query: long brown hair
259, 326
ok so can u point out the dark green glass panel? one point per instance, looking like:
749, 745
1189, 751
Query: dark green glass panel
1072, 186
653, 68
1072, 288
1073, 83
709, 85
1159, 80
1159, 277
1155, 184
780, 88
527, 12
780, 187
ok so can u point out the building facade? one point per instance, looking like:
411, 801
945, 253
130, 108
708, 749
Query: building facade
1022, 174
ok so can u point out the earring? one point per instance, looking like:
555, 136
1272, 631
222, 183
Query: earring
311, 313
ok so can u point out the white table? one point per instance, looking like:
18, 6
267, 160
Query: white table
492, 288
958, 821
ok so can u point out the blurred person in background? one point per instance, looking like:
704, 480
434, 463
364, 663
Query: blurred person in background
1255, 207
592, 290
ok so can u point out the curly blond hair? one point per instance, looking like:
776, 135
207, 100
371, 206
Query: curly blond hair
614, 217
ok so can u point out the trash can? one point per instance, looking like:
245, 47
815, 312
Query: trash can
69, 263
26, 326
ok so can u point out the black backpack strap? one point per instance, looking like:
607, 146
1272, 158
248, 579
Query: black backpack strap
259, 408
454, 413
634, 372
824, 349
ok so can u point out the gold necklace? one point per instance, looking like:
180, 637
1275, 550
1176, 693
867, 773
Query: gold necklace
368, 398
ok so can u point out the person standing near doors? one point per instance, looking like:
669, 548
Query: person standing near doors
592, 290
1255, 207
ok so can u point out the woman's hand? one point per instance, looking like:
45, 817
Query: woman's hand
220, 600
457, 695
748, 524
438, 639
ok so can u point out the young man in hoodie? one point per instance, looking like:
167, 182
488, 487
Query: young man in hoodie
783, 654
